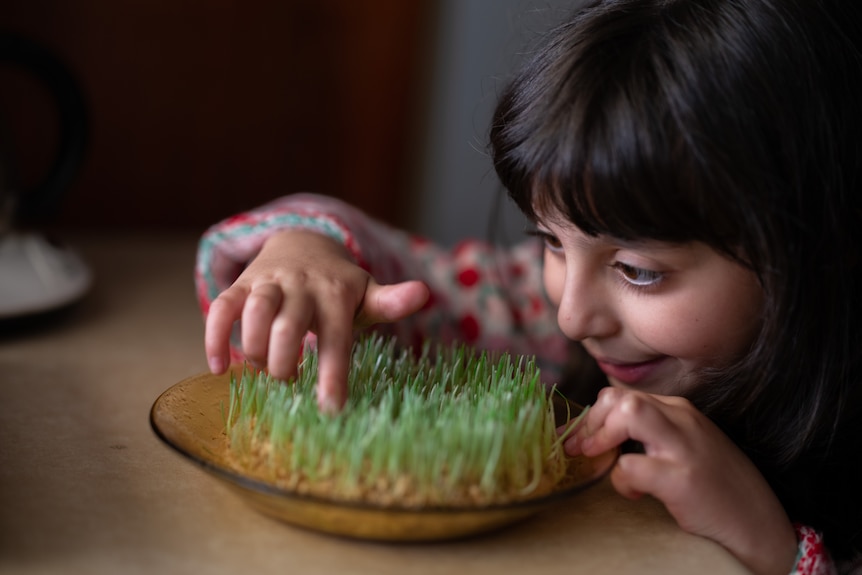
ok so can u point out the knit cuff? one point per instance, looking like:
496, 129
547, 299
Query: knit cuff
812, 558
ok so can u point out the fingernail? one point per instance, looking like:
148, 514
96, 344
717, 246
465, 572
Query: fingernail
572, 446
216, 364
329, 405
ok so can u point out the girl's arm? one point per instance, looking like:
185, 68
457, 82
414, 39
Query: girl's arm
487, 297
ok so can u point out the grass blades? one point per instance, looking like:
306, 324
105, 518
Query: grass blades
452, 427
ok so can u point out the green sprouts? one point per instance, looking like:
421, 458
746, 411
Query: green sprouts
451, 427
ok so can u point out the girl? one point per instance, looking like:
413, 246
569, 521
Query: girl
693, 169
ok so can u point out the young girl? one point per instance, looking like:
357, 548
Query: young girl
693, 169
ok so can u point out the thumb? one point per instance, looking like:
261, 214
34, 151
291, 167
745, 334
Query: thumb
627, 474
388, 303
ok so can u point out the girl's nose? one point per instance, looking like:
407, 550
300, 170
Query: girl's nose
586, 311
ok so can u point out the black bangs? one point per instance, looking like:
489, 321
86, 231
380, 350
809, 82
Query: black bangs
604, 127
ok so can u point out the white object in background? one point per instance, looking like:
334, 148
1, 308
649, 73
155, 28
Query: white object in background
38, 276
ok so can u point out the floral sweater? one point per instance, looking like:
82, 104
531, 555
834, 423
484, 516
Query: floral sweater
488, 297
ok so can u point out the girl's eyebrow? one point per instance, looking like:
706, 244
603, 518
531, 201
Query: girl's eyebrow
590, 241
540, 219
580, 238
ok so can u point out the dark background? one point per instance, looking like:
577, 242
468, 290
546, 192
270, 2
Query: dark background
202, 108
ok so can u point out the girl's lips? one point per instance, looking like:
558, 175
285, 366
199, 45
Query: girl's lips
630, 373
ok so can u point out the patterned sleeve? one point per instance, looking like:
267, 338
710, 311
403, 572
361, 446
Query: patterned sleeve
812, 558
488, 297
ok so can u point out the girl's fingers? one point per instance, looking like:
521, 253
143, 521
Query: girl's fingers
286, 335
635, 475
388, 303
619, 415
334, 346
278, 311
224, 311
583, 440
335, 321
261, 306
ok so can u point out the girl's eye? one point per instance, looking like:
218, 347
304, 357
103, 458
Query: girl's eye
638, 276
551, 242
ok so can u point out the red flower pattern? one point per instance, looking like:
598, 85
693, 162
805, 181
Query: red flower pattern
469, 328
468, 277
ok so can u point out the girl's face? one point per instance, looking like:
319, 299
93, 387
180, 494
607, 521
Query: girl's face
650, 313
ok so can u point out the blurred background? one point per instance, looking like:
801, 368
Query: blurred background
197, 110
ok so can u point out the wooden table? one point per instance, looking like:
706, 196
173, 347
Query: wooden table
86, 486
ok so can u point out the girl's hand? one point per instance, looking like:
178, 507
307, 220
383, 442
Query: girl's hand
704, 480
303, 281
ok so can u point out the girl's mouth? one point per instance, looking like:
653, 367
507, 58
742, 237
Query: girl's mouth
630, 373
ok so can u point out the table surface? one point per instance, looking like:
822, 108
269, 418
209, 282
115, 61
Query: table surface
87, 487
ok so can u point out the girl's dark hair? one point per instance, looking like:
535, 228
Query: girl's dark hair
736, 123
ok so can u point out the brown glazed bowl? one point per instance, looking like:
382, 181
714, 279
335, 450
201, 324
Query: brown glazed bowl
188, 417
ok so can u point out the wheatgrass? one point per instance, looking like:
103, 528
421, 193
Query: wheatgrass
450, 428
